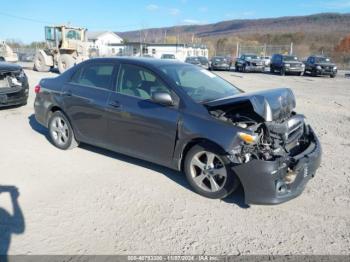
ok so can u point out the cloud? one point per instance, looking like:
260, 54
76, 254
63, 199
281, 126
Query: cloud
336, 4
174, 11
152, 7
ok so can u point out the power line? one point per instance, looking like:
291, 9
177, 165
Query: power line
50, 22
25, 18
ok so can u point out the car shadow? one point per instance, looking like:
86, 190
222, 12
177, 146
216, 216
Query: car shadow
38, 127
3, 108
10, 223
236, 198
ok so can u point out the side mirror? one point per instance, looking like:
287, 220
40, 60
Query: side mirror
162, 98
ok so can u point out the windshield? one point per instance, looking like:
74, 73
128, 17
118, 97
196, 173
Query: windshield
168, 56
203, 59
249, 57
219, 59
290, 58
322, 60
200, 84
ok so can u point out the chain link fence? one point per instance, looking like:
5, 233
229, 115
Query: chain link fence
264, 50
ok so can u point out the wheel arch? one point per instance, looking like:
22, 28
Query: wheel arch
198, 141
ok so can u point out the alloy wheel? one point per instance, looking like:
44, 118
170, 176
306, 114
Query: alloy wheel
208, 171
59, 131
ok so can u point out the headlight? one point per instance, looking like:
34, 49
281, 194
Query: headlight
302, 65
21, 74
335, 68
318, 67
248, 138
287, 65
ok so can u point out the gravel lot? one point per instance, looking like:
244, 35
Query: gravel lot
92, 201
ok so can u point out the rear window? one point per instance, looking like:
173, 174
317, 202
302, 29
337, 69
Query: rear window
94, 75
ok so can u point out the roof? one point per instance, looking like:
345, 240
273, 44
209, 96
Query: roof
94, 35
154, 62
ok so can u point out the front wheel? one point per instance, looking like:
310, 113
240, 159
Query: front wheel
61, 132
282, 72
65, 62
209, 173
333, 75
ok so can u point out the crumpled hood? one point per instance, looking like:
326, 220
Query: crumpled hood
271, 105
8, 67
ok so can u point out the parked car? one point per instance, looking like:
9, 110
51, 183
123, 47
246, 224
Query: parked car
249, 63
320, 65
266, 60
286, 64
219, 63
185, 118
13, 85
168, 56
204, 62
193, 60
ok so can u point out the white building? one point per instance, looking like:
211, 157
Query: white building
180, 51
102, 40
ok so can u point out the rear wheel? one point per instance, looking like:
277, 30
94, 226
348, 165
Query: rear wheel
209, 173
61, 132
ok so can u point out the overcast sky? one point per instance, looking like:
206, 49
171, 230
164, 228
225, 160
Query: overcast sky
24, 19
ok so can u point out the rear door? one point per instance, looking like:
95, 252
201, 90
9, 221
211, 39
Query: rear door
136, 125
85, 99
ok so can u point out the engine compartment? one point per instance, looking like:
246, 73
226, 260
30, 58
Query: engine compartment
281, 138
10, 79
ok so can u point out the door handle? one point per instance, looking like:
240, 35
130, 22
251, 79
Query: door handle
67, 93
114, 104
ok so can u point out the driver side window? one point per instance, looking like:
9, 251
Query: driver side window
138, 82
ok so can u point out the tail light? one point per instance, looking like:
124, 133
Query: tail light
37, 89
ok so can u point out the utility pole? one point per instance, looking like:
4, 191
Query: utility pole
237, 50
140, 44
291, 48
165, 37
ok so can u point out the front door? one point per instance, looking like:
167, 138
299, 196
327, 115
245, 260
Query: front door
136, 125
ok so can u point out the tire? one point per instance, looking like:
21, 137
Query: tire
332, 75
301, 74
39, 64
213, 182
61, 132
65, 62
282, 72
2, 59
244, 69
313, 73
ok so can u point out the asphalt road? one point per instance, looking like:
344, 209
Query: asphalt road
92, 201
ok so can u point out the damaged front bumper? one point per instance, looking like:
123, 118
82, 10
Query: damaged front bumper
14, 94
265, 182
